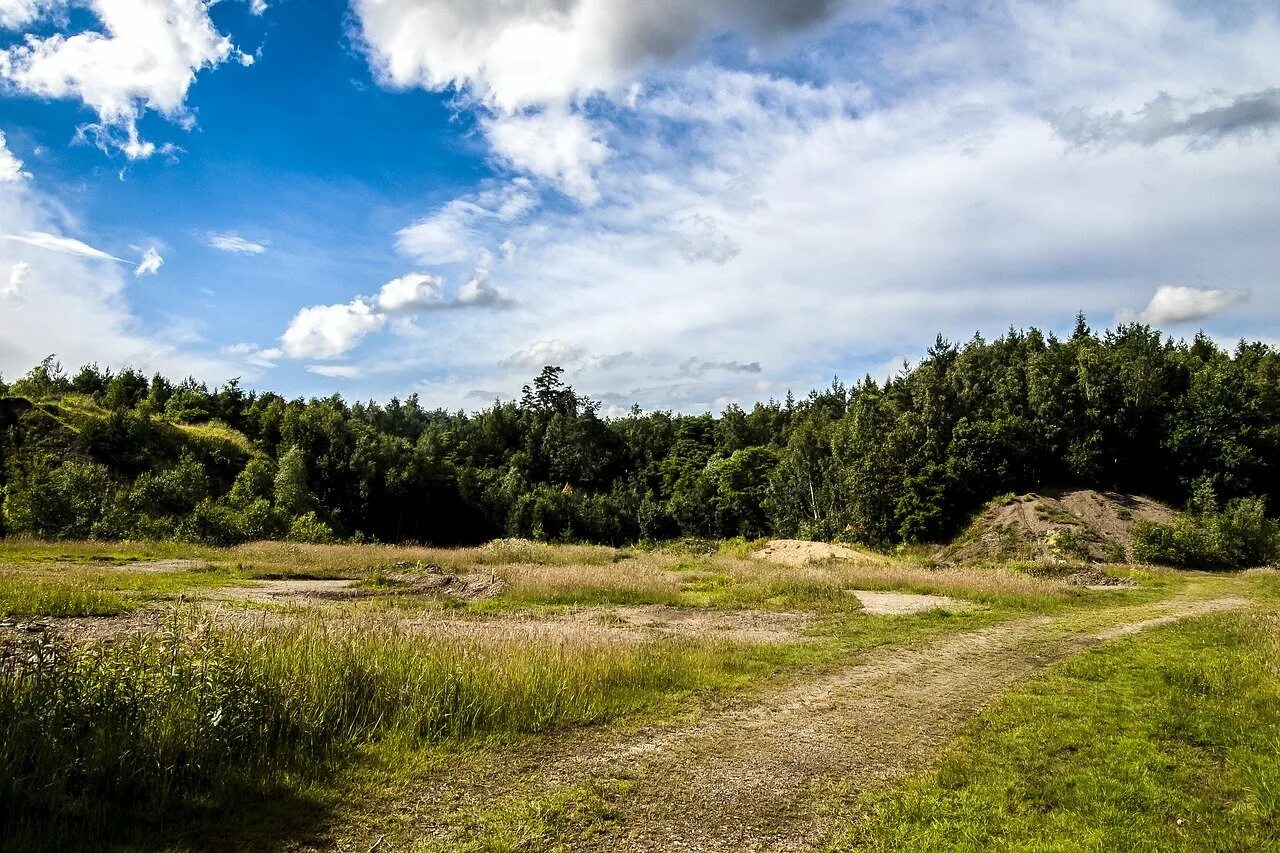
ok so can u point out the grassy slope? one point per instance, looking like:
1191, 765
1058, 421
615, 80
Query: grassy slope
1164, 741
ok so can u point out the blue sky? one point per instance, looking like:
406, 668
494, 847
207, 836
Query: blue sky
685, 205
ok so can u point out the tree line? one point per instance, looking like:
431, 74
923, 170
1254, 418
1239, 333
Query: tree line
116, 455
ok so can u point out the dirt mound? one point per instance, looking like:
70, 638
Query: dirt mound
1081, 526
796, 552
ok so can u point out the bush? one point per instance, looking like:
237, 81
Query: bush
310, 529
1236, 537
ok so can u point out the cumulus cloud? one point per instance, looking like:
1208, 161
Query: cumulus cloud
19, 274
479, 292
234, 244
554, 144
330, 331
150, 263
145, 57
1166, 117
515, 55
917, 186
257, 7
1173, 304
10, 166
536, 356
532, 64
410, 293
65, 245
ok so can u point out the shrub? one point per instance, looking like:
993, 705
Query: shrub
1235, 537
310, 529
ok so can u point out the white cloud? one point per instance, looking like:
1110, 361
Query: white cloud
10, 166
330, 331
1173, 304
556, 353
533, 63
410, 293
19, 275
702, 240
456, 232
19, 13
150, 263
553, 144
919, 188
257, 7
518, 54
145, 57
56, 243
234, 244
336, 371
254, 354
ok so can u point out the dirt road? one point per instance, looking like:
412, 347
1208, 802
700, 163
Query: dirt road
765, 774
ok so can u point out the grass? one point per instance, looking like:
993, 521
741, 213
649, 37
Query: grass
100, 741
1165, 741
81, 591
184, 728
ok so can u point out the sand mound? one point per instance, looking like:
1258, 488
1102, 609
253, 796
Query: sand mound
1082, 526
796, 552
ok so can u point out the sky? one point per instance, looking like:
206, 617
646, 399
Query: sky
685, 205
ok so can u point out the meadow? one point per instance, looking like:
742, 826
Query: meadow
166, 696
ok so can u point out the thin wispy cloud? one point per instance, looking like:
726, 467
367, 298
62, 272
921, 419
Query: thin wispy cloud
234, 244
58, 243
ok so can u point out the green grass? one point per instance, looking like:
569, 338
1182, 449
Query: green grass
1166, 741
97, 592
55, 598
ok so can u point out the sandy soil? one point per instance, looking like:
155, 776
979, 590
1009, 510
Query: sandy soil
797, 552
759, 774
905, 603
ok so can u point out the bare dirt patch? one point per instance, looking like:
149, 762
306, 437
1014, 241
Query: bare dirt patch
291, 589
1057, 527
748, 626
904, 603
154, 567
797, 552
620, 625
304, 590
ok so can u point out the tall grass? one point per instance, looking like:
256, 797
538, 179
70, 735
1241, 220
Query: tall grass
99, 741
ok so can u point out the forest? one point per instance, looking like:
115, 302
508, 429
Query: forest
97, 454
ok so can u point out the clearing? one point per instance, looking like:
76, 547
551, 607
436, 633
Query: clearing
769, 772
532, 697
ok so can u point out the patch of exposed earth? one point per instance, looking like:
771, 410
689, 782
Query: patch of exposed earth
304, 590
905, 603
759, 773
1056, 527
798, 552
620, 625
